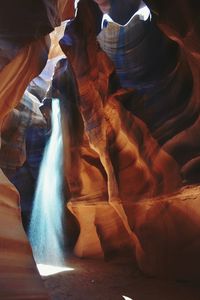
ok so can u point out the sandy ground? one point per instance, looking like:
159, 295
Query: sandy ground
101, 280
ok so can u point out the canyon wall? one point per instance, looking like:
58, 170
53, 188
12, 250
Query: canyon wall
137, 135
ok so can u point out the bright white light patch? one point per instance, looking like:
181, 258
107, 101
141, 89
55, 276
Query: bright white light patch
127, 298
46, 227
47, 270
143, 12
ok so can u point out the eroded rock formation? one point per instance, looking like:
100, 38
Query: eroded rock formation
129, 144
112, 141
24, 51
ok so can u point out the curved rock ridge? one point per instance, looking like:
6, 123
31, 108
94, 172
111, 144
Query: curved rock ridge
23, 21
19, 278
121, 141
182, 25
161, 75
24, 49
160, 57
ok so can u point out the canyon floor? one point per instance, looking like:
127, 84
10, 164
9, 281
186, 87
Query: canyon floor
111, 280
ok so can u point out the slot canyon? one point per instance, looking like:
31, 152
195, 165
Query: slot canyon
99, 149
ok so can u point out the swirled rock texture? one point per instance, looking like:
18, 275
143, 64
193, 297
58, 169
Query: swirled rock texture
18, 271
123, 145
117, 161
158, 54
24, 47
19, 278
119, 139
119, 165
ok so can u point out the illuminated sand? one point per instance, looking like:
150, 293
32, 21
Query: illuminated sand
100, 280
